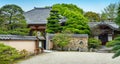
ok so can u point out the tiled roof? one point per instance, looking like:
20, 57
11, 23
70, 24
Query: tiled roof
39, 16
49, 36
18, 37
112, 25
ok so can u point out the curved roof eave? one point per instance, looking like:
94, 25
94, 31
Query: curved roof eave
110, 26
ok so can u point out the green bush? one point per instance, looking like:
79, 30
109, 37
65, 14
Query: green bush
24, 53
93, 43
116, 47
61, 40
113, 42
110, 43
8, 54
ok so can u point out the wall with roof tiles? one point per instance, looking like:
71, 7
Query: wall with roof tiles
20, 45
76, 44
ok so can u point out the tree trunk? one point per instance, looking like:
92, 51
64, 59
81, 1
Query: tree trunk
10, 22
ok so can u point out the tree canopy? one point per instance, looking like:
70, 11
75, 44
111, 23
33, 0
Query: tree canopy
116, 41
103, 16
53, 25
92, 16
75, 20
12, 20
61, 40
111, 11
118, 16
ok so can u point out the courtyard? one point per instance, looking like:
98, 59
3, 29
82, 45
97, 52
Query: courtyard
72, 58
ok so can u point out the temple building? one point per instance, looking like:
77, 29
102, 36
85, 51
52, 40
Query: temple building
37, 20
105, 31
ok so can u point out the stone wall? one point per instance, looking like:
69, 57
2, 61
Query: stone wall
78, 42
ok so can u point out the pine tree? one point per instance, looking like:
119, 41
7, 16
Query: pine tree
53, 25
116, 47
118, 16
12, 20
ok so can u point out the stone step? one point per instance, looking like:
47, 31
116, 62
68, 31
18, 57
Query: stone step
105, 50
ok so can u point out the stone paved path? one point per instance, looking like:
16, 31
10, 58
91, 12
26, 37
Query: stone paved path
72, 58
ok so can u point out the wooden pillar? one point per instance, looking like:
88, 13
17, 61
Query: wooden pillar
37, 46
113, 34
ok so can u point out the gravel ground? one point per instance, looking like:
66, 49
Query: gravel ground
72, 58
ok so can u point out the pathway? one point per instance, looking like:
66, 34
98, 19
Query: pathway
73, 58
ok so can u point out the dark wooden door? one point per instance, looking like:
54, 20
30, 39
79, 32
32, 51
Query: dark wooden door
103, 38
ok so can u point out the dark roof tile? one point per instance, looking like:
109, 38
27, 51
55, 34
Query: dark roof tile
37, 15
111, 24
18, 37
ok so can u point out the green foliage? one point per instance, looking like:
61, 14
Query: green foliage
92, 16
24, 53
8, 54
12, 20
93, 43
111, 11
116, 47
53, 25
110, 43
61, 40
118, 16
76, 22
103, 16
67, 7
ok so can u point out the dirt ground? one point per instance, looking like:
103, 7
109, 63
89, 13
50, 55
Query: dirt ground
72, 58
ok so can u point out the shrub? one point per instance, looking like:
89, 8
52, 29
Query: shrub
116, 47
24, 53
110, 43
8, 54
61, 40
93, 43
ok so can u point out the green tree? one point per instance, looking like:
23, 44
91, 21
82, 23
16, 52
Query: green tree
116, 47
118, 16
93, 43
92, 16
75, 20
111, 11
8, 54
13, 19
103, 17
53, 25
61, 40
2, 21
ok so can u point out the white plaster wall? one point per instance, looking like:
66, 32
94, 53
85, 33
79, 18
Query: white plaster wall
40, 44
109, 37
96, 37
20, 45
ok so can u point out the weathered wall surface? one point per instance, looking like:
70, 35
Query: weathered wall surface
20, 45
78, 42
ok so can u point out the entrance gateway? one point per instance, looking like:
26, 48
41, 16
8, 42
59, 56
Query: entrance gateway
103, 38
104, 31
